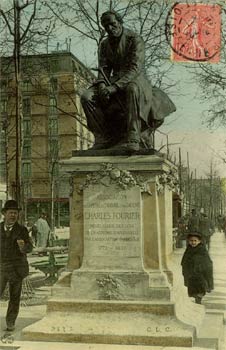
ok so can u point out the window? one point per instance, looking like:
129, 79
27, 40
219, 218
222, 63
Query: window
53, 126
2, 171
54, 65
3, 105
52, 105
26, 149
26, 169
3, 85
26, 85
53, 148
27, 189
55, 169
53, 84
27, 127
26, 106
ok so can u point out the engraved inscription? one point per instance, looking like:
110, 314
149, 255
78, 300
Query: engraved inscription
158, 329
62, 329
112, 221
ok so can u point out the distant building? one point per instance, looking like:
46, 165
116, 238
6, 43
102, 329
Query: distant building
53, 124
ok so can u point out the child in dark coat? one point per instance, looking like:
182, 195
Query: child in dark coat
197, 268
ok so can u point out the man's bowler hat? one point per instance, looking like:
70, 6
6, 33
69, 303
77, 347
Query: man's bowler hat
10, 204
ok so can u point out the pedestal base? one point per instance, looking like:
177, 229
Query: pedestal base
111, 322
118, 291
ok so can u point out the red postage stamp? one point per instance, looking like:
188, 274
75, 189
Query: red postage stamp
194, 32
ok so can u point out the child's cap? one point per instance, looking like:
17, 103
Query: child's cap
194, 234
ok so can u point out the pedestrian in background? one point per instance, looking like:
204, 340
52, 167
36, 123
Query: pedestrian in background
206, 229
197, 268
15, 243
182, 227
193, 222
32, 230
220, 222
224, 226
43, 231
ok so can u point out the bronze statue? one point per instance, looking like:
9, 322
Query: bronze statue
121, 107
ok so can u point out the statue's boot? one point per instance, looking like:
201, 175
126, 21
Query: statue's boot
101, 143
131, 146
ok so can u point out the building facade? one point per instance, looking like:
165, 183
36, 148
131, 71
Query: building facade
52, 125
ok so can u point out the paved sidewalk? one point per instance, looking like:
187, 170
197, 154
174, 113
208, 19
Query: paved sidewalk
214, 302
217, 299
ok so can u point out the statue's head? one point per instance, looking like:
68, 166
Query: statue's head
112, 23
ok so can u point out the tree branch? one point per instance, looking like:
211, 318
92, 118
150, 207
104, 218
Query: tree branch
7, 22
30, 20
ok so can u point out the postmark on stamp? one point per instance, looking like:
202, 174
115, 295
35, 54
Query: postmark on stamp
194, 32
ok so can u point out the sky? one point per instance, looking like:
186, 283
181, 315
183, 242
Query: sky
187, 127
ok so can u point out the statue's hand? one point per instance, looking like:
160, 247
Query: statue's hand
101, 86
106, 92
111, 89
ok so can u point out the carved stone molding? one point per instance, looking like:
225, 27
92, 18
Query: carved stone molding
169, 179
109, 174
109, 288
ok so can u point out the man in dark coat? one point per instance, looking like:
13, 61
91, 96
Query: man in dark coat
121, 107
197, 268
206, 229
193, 222
14, 244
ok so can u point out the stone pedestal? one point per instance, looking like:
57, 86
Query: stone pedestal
118, 286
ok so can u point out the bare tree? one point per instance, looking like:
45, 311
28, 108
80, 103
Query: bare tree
212, 82
21, 23
145, 17
35, 27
